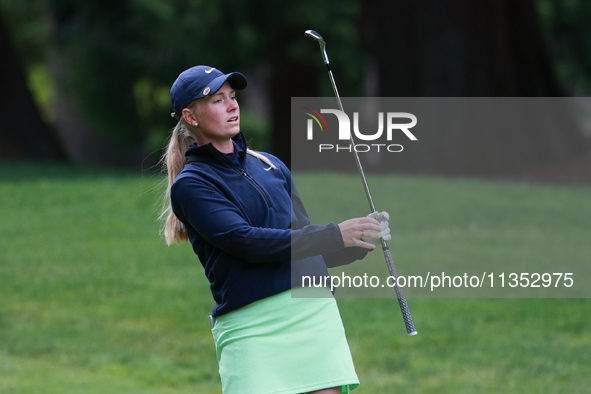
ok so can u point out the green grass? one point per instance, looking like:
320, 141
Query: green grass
93, 301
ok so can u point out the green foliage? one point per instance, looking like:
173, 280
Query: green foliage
94, 302
117, 57
42, 89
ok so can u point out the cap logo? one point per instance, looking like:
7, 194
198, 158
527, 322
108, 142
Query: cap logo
210, 70
206, 91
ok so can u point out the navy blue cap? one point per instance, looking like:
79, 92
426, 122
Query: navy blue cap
198, 82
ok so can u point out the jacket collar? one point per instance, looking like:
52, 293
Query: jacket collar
207, 152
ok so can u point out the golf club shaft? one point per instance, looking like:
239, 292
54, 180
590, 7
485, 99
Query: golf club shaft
410, 328
372, 206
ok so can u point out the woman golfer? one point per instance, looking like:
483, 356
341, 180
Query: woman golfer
245, 220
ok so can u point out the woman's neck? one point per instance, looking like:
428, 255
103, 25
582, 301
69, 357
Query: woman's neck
224, 146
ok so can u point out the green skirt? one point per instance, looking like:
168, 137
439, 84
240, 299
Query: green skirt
284, 345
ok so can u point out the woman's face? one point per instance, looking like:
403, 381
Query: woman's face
218, 116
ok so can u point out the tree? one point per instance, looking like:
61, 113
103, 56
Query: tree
95, 109
113, 62
23, 133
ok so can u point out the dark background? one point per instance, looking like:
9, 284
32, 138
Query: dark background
87, 82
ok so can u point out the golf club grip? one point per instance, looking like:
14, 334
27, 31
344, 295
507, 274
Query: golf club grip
410, 327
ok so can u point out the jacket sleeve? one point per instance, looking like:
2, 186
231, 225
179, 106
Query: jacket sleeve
343, 256
225, 227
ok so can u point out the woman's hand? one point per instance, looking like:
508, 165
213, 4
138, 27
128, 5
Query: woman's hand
353, 230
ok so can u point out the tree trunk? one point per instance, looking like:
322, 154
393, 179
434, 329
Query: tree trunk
96, 118
83, 143
23, 133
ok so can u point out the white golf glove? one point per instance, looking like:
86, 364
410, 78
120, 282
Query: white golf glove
382, 218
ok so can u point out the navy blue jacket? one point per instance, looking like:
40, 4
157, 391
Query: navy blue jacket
248, 226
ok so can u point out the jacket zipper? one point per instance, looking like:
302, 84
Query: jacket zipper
243, 172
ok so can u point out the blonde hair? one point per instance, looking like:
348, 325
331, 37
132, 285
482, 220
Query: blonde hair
173, 161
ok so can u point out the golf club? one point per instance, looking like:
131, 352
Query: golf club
410, 328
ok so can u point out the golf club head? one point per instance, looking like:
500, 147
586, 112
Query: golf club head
321, 42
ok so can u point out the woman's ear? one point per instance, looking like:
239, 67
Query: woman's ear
189, 117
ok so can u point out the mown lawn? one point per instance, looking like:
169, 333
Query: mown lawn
93, 301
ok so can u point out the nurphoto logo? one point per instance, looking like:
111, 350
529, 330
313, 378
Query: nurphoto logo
393, 126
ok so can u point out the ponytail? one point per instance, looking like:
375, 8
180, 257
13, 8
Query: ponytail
172, 163
261, 157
